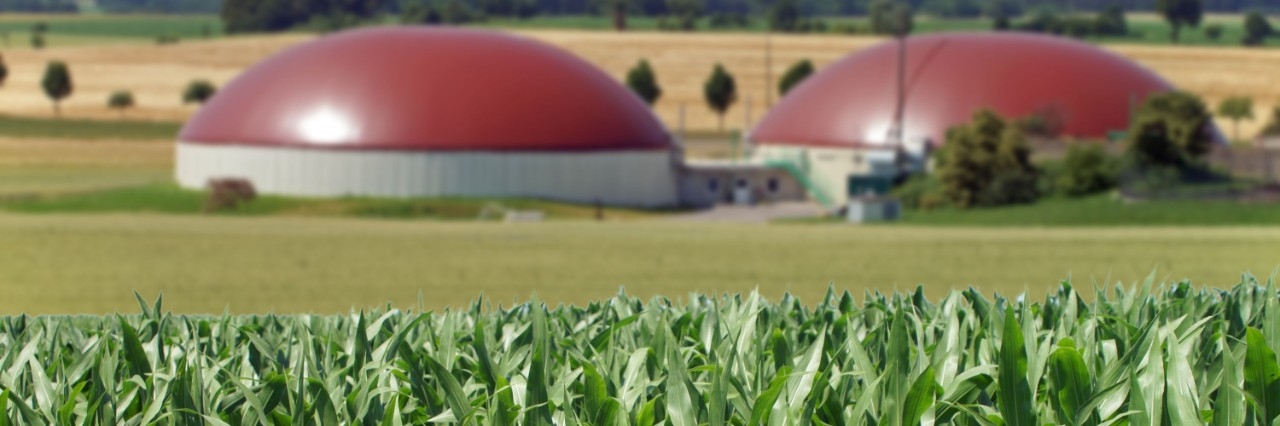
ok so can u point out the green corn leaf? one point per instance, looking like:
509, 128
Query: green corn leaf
139, 365
1261, 376
1228, 407
454, 397
537, 412
762, 408
920, 399
1071, 385
1015, 400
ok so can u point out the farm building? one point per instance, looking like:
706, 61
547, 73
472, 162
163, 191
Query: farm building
419, 112
835, 128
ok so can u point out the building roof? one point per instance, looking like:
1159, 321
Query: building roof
952, 75
417, 88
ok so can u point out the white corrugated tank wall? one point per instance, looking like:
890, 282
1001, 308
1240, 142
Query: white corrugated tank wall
620, 178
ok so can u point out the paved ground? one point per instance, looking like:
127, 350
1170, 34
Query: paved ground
762, 213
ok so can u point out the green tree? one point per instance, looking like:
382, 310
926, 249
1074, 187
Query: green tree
891, 17
1236, 108
987, 163
794, 75
1170, 130
644, 83
1088, 169
785, 15
619, 10
1000, 22
1111, 21
417, 12
720, 92
120, 100
1256, 29
198, 91
57, 84
686, 13
1180, 13
1008, 9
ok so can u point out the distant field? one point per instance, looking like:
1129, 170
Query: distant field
84, 129
92, 263
17, 28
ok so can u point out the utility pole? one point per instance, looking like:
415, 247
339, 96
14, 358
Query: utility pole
768, 68
900, 33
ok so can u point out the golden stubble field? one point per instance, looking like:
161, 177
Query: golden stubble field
157, 74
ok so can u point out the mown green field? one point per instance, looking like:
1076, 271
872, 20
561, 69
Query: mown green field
87, 129
1105, 210
123, 26
91, 263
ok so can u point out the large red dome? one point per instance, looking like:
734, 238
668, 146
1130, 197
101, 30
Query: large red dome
951, 76
427, 89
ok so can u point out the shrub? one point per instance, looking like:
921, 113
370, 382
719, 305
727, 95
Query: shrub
1087, 169
167, 39
1170, 130
120, 100
1213, 31
921, 191
987, 163
794, 75
198, 91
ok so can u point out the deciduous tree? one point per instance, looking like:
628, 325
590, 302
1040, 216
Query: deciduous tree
57, 84
720, 91
644, 83
1256, 29
1236, 108
1179, 13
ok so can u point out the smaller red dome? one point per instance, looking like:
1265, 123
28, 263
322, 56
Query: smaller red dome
427, 89
951, 76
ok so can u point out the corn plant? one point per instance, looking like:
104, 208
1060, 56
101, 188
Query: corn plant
1143, 354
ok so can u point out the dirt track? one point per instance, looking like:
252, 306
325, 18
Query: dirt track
157, 74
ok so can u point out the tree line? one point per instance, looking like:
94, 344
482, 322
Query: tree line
114, 6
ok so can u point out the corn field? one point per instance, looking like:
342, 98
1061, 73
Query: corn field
1141, 354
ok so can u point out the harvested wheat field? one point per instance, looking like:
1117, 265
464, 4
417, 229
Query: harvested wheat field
156, 74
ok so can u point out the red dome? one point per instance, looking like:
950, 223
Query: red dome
427, 89
951, 76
